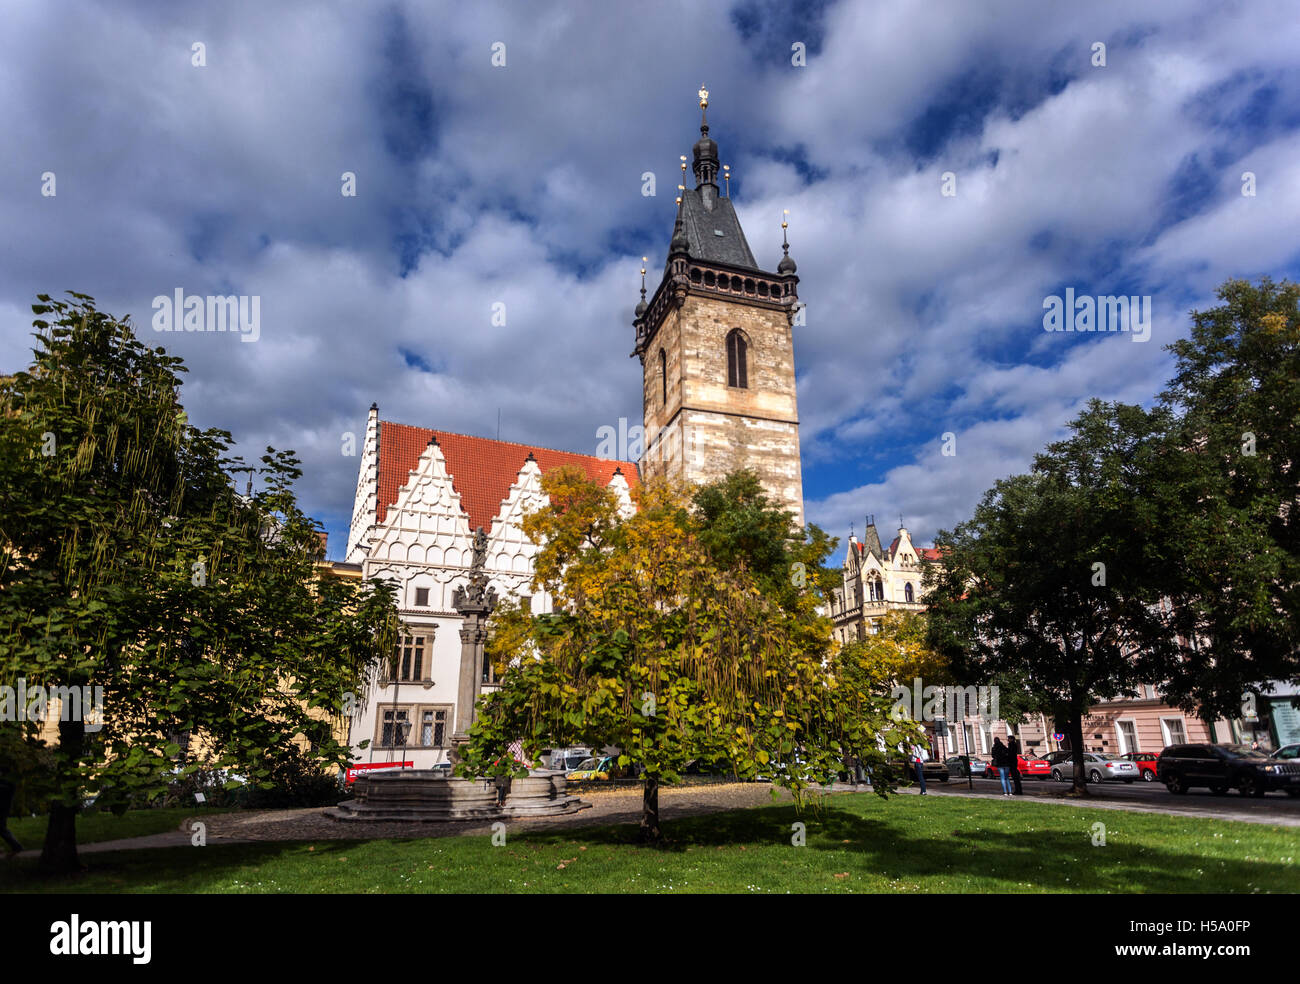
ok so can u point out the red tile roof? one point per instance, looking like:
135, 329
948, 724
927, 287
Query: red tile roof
482, 470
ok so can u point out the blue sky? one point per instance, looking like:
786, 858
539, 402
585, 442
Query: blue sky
521, 185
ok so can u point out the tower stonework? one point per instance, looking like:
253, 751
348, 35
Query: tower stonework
717, 351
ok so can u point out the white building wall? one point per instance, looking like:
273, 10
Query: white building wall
425, 541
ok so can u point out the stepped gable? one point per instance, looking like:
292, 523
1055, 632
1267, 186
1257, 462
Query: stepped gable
482, 470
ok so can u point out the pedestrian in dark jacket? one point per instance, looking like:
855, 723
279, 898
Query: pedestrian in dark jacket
1000, 763
1013, 756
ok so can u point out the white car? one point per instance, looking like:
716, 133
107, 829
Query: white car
1099, 768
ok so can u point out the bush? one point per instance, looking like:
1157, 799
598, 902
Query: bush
296, 782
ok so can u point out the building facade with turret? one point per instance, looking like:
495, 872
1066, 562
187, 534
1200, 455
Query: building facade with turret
875, 581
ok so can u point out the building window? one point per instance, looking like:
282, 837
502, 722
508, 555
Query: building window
663, 378
394, 727
908, 594
1128, 737
1173, 730
433, 726
421, 597
489, 673
408, 659
737, 360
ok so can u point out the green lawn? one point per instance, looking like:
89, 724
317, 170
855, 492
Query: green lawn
101, 826
856, 843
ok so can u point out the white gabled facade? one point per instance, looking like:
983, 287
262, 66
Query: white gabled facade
412, 527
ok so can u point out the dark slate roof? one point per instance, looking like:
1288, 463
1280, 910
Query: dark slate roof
871, 542
703, 226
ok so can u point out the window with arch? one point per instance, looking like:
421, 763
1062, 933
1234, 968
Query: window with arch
876, 589
908, 595
663, 378
737, 359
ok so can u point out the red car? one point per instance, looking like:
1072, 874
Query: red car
1033, 768
1030, 768
1146, 763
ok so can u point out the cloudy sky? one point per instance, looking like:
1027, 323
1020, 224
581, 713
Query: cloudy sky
520, 184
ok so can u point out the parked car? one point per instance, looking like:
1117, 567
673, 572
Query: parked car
1287, 752
592, 768
956, 766
1146, 763
1251, 771
1033, 768
905, 770
1030, 768
1098, 766
566, 759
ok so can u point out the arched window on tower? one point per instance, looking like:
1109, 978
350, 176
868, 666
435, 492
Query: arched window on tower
737, 360
908, 593
663, 378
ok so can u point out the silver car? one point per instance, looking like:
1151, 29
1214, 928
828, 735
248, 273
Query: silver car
1098, 766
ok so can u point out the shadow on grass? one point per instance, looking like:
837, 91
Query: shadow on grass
1143, 853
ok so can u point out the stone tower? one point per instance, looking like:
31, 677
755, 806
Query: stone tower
716, 348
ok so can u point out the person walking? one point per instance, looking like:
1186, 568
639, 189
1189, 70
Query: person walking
918, 760
1000, 763
1013, 760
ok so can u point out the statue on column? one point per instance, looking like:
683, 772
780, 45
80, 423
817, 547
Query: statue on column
475, 602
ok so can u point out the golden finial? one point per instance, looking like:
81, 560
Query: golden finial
726, 176
704, 98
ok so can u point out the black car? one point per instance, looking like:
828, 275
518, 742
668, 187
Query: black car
1223, 767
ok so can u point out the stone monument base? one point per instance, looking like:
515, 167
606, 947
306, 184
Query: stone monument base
422, 795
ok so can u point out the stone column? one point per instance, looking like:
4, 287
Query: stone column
475, 602
473, 633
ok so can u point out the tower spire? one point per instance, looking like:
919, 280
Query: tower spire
680, 243
786, 265
706, 154
641, 308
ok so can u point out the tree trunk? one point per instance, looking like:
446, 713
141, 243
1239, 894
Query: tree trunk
59, 854
650, 832
1080, 785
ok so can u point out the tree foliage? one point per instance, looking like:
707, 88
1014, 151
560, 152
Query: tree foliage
129, 561
1054, 582
673, 638
1231, 475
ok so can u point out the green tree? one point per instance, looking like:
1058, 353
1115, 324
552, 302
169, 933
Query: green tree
130, 562
1229, 477
1055, 582
659, 648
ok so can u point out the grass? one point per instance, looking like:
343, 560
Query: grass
101, 826
855, 843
